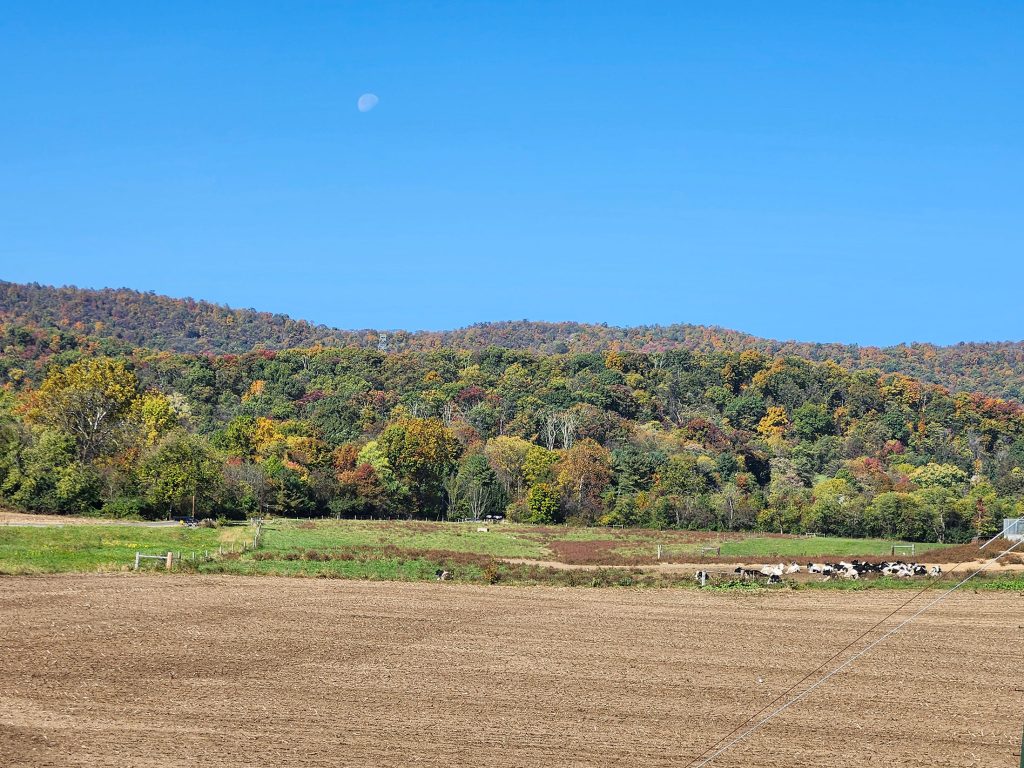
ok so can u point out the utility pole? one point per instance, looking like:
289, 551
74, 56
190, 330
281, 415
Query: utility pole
1020, 753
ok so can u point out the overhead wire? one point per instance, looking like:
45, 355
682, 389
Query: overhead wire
699, 760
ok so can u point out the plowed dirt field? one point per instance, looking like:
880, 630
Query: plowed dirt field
131, 670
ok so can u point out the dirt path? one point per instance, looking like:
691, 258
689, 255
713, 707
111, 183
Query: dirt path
22, 519
120, 670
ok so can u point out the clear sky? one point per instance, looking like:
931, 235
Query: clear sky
825, 171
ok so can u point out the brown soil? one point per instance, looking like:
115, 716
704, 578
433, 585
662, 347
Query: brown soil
22, 518
129, 670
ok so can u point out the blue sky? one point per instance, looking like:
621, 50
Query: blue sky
826, 171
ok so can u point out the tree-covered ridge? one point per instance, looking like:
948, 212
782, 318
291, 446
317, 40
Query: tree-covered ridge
720, 440
158, 322
184, 325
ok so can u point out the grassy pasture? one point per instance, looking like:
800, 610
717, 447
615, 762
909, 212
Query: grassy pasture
501, 541
533, 542
414, 550
58, 549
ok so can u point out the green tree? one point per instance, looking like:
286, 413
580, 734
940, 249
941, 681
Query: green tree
542, 504
895, 515
181, 473
507, 456
539, 465
422, 453
88, 400
939, 475
473, 489
746, 411
811, 421
787, 498
836, 509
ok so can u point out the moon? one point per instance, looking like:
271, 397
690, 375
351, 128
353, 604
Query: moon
367, 102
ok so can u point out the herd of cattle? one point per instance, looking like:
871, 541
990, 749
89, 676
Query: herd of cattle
841, 570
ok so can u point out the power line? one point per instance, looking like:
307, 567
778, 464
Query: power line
698, 762
928, 585
825, 663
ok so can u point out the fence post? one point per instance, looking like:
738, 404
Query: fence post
170, 560
659, 551
136, 561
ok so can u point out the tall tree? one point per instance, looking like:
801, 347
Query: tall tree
181, 473
422, 453
89, 400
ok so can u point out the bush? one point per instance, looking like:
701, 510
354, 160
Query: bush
124, 507
492, 573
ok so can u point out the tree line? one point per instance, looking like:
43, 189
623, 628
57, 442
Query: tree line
728, 441
156, 322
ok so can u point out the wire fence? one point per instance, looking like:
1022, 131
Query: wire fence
192, 558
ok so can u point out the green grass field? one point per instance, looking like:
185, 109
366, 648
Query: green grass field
81, 548
758, 546
501, 541
414, 550
535, 542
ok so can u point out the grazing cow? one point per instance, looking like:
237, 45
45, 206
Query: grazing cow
772, 570
793, 568
774, 579
935, 570
861, 567
825, 569
898, 570
442, 575
747, 573
839, 570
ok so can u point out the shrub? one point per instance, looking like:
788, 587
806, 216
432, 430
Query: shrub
123, 507
492, 573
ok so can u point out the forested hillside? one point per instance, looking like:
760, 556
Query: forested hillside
722, 440
184, 325
156, 322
